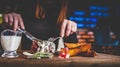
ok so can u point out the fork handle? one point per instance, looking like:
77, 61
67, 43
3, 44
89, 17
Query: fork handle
28, 35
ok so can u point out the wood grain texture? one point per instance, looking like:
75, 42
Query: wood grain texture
101, 60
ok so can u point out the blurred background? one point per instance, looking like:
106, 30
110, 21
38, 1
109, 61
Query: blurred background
97, 23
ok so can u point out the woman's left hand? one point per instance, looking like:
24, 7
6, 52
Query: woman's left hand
68, 27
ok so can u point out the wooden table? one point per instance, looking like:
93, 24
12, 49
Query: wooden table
101, 60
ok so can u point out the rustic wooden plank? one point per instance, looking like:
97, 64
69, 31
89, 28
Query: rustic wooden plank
101, 60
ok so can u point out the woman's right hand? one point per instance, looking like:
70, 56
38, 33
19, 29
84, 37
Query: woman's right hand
15, 20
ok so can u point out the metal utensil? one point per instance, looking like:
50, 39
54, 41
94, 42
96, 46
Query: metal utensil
31, 37
28, 35
60, 42
52, 39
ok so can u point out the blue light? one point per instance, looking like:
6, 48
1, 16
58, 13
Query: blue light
105, 14
106, 9
79, 19
93, 7
99, 14
93, 13
91, 20
80, 25
99, 8
71, 18
87, 25
87, 19
79, 13
94, 20
93, 25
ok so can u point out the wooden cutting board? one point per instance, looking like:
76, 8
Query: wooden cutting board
101, 60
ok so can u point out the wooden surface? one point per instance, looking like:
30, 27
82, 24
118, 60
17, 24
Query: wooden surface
101, 60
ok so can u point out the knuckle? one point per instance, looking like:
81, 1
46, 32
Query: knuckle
68, 29
75, 24
19, 15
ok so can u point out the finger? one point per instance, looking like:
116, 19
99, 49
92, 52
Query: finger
68, 28
63, 27
10, 18
21, 24
15, 21
6, 18
10, 23
74, 27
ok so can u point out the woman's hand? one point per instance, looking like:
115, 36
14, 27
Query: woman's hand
68, 27
15, 20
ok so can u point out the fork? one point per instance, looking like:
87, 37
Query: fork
52, 39
31, 37
28, 35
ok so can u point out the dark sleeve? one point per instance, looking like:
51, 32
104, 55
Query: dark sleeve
9, 6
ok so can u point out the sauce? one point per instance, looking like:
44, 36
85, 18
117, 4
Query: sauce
10, 43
